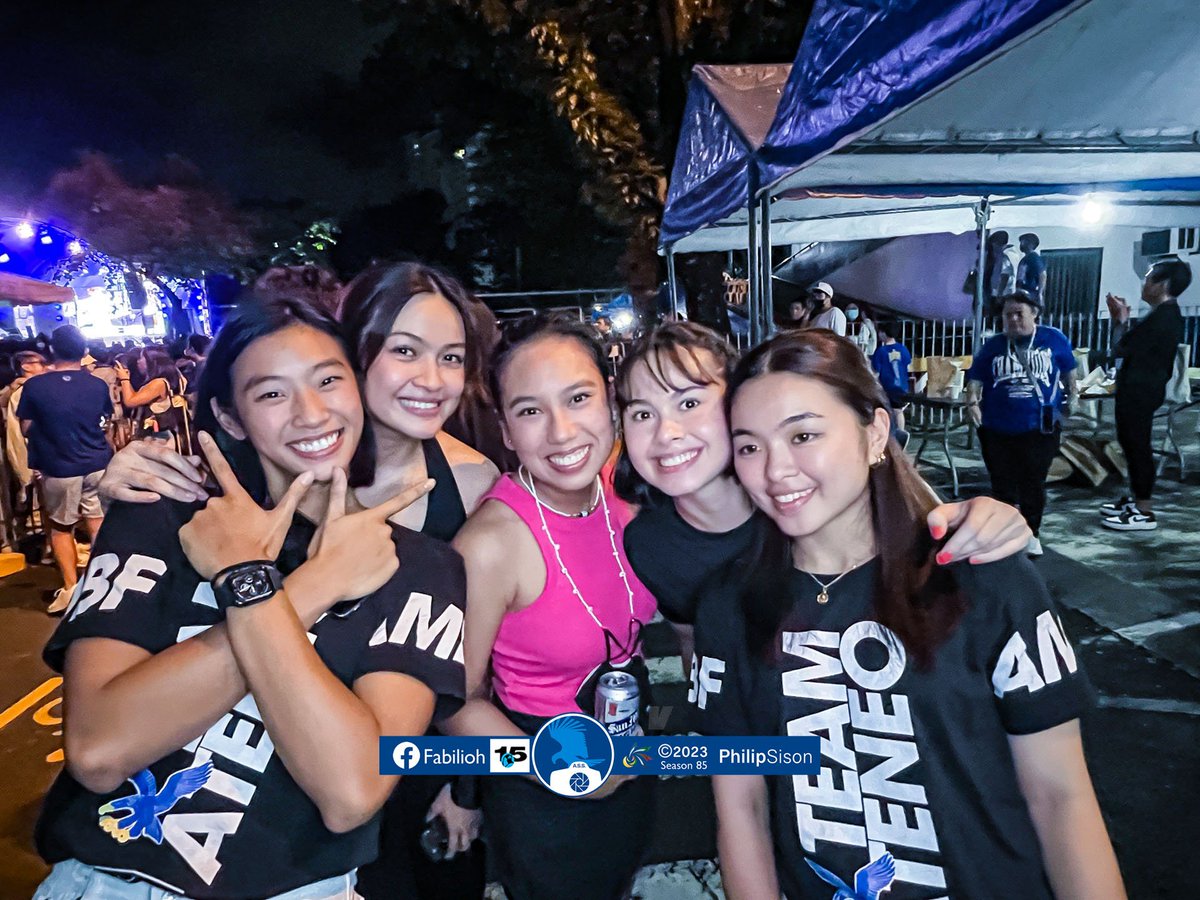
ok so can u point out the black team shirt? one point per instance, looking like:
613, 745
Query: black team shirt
221, 817
915, 763
676, 560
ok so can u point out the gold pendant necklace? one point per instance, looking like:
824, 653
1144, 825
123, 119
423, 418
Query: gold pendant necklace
823, 594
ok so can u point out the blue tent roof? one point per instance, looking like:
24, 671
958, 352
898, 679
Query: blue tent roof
858, 63
728, 114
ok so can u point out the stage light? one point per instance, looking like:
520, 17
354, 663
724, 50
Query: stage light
623, 320
75, 248
25, 231
4, 257
47, 239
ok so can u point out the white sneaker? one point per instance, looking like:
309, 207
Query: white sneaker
1133, 519
62, 599
1115, 509
1034, 547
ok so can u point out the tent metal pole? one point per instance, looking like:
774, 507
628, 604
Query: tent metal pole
673, 285
753, 272
983, 212
766, 323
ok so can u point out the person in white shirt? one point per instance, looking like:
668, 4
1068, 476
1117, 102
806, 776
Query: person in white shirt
861, 329
827, 315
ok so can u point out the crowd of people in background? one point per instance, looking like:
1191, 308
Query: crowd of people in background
67, 404
314, 461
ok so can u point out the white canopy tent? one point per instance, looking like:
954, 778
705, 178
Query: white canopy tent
1101, 101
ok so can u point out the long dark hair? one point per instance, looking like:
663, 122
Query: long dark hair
251, 321
670, 345
377, 294
160, 364
918, 600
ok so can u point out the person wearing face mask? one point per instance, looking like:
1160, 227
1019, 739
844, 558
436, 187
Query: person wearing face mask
825, 314
860, 329
420, 343
1016, 389
947, 700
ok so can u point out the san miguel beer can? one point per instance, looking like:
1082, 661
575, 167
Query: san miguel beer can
618, 701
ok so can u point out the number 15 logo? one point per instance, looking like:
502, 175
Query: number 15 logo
509, 756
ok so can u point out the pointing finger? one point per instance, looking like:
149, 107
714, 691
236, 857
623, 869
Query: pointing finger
219, 467
336, 508
286, 508
404, 499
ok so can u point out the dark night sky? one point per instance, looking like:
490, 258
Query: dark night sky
221, 83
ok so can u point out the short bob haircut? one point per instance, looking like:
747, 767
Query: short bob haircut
254, 320
377, 295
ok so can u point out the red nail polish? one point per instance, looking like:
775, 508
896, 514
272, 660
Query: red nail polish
938, 531
943, 558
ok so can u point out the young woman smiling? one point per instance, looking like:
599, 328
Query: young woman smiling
946, 698
552, 599
677, 463
211, 651
415, 335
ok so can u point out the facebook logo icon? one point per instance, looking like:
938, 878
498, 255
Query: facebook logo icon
406, 755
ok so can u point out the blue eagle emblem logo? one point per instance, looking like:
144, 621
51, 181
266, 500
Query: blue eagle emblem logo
147, 803
571, 736
869, 882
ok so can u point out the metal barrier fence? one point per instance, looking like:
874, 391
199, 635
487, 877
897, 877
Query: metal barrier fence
580, 302
927, 337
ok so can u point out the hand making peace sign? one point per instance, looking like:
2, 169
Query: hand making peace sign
233, 528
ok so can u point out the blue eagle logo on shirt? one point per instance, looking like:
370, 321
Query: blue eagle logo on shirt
869, 882
147, 803
571, 737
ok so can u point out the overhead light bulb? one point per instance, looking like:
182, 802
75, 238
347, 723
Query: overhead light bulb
1093, 211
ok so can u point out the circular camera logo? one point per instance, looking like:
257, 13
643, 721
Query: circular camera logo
572, 755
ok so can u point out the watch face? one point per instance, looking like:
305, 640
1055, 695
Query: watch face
253, 585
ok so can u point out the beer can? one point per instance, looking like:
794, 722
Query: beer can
618, 701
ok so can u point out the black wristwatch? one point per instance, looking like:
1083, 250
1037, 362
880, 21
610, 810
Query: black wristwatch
246, 583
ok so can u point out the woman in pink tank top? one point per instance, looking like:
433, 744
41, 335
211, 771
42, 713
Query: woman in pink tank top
551, 597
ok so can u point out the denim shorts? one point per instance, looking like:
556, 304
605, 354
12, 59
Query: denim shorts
73, 880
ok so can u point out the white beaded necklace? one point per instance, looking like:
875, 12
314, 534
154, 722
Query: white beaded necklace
527, 482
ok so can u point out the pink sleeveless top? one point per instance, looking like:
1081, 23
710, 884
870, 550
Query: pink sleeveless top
544, 652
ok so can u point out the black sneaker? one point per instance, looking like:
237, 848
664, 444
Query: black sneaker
1133, 519
1115, 509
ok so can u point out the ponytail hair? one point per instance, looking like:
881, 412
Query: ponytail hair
914, 598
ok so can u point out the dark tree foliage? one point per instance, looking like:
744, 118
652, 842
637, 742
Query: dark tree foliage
168, 225
560, 104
